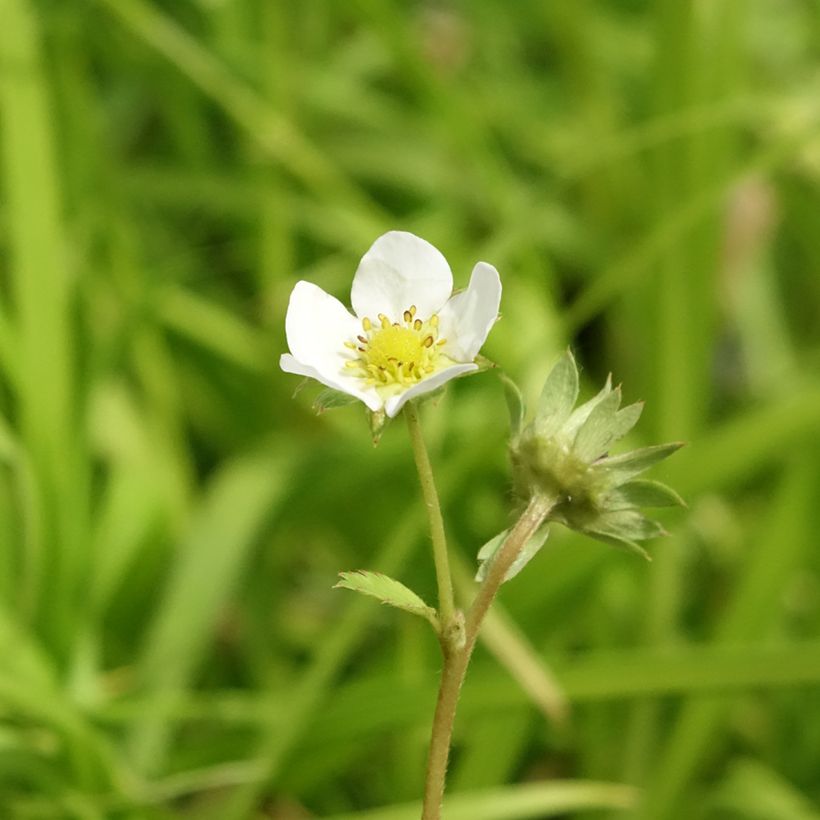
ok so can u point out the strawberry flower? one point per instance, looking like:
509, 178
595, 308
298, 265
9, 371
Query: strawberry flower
410, 334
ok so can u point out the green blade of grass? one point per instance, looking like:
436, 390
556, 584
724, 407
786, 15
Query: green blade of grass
43, 295
532, 800
214, 551
264, 125
779, 551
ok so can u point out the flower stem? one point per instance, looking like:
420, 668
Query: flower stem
446, 603
457, 658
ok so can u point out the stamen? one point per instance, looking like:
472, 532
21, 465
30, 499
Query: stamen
394, 355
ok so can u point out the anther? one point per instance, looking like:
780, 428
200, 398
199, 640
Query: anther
428, 342
408, 317
366, 324
412, 311
417, 324
362, 339
384, 320
434, 320
351, 345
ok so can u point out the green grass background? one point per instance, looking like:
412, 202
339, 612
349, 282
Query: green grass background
645, 176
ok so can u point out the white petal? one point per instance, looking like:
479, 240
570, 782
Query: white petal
398, 271
467, 318
342, 383
317, 325
395, 403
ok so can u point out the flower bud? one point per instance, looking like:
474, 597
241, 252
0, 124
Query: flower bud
563, 454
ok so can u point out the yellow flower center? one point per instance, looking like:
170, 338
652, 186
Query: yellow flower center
397, 353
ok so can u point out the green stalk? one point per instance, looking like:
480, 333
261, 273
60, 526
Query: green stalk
446, 604
457, 653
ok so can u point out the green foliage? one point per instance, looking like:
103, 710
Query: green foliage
645, 178
488, 551
388, 591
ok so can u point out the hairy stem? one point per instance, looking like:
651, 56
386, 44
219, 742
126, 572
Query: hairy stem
457, 656
446, 603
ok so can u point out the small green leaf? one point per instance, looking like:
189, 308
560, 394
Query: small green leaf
598, 431
489, 550
558, 396
515, 402
644, 493
619, 543
388, 591
329, 399
626, 466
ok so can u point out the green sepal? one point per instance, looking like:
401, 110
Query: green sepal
558, 396
378, 421
515, 403
484, 364
628, 524
605, 425
582, 413
489, 550
618, 542
596, 433
643, 493
389, 591
622, 468
330, 399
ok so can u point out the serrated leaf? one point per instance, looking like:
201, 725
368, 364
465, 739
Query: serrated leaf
330, 399
644, 493
622, 468
558, 396
388, 591
581, 414
488, 551
515, 402
619, 543
598, 431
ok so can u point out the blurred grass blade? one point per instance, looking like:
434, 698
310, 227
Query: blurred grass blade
263, 123
753, 606
533, 800
512, 649
213, 553
42, 291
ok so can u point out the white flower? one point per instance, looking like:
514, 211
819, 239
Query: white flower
410, 334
